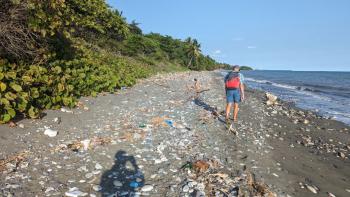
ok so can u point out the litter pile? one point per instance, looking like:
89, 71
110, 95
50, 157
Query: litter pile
210, 178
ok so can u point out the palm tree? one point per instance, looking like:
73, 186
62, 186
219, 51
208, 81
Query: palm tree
134, 28
193, 51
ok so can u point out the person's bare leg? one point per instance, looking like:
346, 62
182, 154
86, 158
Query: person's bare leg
235, 111
228, 109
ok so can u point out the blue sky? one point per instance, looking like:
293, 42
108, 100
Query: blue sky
265, 34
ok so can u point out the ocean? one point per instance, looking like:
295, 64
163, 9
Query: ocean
327, 93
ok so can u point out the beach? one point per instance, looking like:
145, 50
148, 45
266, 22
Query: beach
163, 137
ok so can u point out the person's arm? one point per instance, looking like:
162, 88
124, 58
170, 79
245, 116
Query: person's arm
241, 87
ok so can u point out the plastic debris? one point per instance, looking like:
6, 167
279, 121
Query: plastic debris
170, 123
51, 133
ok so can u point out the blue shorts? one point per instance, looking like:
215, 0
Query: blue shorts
233, 96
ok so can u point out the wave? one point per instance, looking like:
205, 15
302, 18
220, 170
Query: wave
337, 91
272, 83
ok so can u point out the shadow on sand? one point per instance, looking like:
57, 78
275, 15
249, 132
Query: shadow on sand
123, 178
211, 109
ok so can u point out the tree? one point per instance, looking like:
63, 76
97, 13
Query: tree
134, 28
193, 51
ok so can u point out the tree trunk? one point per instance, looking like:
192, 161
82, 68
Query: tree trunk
189, 63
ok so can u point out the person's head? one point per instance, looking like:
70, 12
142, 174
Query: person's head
195, 79
235, 68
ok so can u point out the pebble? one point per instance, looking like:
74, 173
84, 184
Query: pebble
21, 126
117, 183
98, 166
89, 175
186, 188
97, 188
311, 189
75, 192
330, 194
147, 188
341, 154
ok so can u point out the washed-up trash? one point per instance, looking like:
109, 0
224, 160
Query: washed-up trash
16, 159
66, 110
271, 99
142, 125
86, 144
170, 123
134, 184
57, 120
200, 166
51, 133
12, 124
234, 192
159, 121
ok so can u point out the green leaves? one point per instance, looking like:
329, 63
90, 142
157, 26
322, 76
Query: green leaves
16, 87
2, 86
33, 112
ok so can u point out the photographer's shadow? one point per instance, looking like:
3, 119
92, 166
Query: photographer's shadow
123, 178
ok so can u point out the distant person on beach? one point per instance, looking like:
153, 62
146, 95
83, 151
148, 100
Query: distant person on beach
234, 87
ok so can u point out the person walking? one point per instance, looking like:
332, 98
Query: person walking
234, 87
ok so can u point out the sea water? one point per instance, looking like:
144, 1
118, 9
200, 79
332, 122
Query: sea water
327, 93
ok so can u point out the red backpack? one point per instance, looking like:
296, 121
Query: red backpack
233, 81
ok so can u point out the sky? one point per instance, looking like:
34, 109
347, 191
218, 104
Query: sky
303, 35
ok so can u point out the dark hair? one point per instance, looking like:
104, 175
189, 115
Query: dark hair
235, 67
195, 79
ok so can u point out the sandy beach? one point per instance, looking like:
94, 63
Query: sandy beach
161, 138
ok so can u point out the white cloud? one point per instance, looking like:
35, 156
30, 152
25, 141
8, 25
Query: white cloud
218, 51
251, 47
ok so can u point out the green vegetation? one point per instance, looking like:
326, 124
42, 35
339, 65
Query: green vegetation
229, 67
246, 68
54, 51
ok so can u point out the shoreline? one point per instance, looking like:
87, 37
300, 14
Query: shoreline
274, 143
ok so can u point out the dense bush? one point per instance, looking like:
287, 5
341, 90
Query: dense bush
27, 89
54, 51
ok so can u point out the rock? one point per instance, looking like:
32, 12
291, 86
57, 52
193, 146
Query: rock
330, 194
312, 189
50, 132
98, 166
57, 120
75, 192
185, 188
306, 121
89, 175
97, 188
117, 183
21, 126
342, 155
147, 188
49, 189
